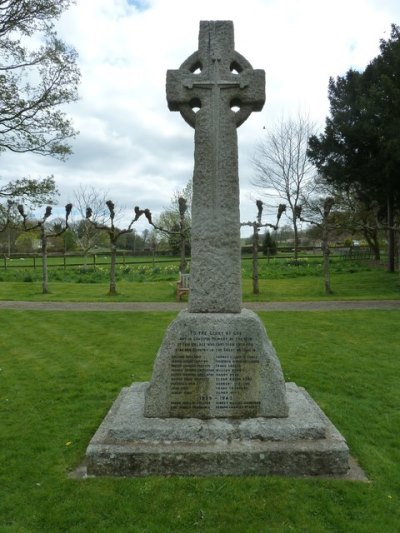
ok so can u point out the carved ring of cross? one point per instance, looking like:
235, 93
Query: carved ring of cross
239, 64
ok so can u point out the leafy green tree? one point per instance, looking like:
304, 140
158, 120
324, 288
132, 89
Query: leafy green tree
35, 79
66, 239
269, 246
132, 242
175, 223
32, 192
360, 148
25, 242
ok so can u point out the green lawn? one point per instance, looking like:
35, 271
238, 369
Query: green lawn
359, 285
60, 373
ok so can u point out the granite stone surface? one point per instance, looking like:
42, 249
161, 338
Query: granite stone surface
216, 365
216, 80
129, 444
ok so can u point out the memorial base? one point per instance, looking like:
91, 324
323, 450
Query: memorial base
216, 365
304, 444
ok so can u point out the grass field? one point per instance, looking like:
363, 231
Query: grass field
60, 372
278, 281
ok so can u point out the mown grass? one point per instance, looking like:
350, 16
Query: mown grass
60, 373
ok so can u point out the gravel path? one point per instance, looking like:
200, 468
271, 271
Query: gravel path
174, 306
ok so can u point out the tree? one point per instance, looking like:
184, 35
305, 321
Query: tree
87, 234
269, 246
35, 81
114, 234
66, 239
359, 216
282, 165
319, 211
44, 236
256, 225
178, 234
359, 148
133, 242
29, 192
32, 192
175, 222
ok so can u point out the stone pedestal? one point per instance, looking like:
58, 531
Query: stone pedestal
217, 405
129, 444
216, 365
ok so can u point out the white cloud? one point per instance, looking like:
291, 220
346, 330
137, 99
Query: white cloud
131, 145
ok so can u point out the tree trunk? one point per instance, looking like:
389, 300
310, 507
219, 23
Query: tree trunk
113, 285
391, 235
45, 278
256, 289
296, 238
326, 264
371, 236
182, 264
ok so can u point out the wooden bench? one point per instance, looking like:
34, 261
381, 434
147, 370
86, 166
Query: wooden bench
182, 286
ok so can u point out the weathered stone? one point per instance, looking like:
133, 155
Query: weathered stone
216, 365
215, 78
217, 403
129, 444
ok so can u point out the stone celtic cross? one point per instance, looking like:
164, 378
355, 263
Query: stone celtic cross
224, 89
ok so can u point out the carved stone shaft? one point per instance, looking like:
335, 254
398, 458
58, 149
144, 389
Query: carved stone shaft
214, 80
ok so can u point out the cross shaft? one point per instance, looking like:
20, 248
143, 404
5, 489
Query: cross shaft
225, 80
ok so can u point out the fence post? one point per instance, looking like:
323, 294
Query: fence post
34, 262
94, 261
65, 263
5, 262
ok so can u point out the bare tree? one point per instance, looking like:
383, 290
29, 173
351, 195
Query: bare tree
45, 234
256, 225
114, 234
282, 167
87, 235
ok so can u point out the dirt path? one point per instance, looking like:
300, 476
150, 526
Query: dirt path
173, 306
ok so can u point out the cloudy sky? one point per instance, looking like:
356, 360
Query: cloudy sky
131, 146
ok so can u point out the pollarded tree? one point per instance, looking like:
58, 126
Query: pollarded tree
114, 233
45, 234
256, 225
282, 167
35, 79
